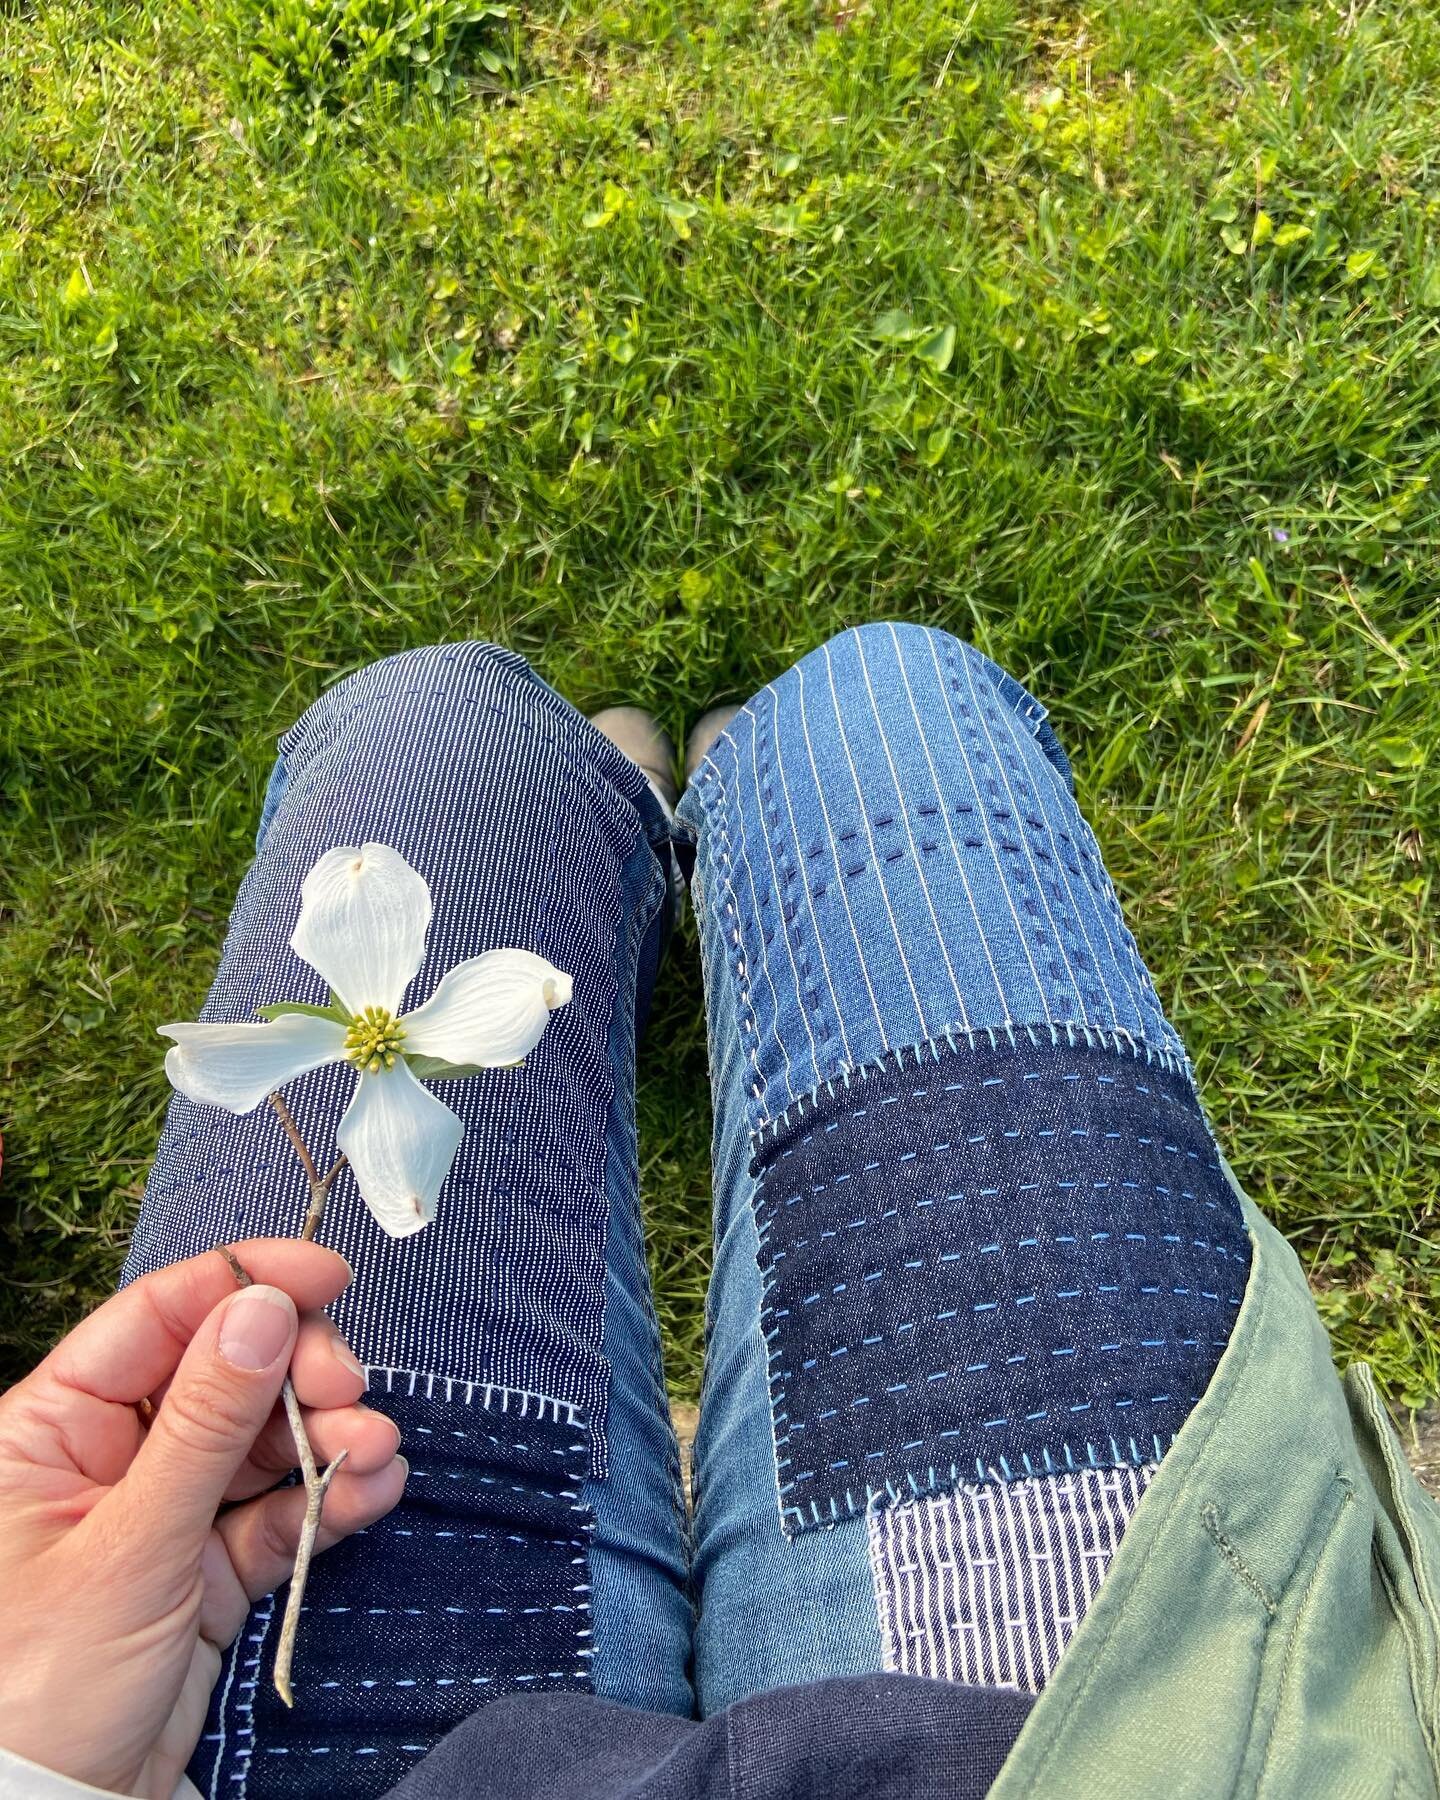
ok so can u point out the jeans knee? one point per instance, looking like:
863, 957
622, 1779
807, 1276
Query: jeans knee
894, 663
435, 670
880, 636
860, 648
437, 664
907, 669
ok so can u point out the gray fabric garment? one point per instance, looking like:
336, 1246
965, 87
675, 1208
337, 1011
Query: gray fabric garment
866, 1737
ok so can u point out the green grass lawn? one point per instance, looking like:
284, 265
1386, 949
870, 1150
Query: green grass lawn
659, 341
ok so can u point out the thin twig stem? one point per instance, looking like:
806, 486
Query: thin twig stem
319, 1193
315, 1480
317, 1484
319, 1184
292, 1131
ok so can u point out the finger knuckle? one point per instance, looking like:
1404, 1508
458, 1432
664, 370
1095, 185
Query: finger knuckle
206, 1415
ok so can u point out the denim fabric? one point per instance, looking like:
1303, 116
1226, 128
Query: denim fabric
523, 819
889, 859
892, 875
640, 1559
893, 851
772, 1611
1009, 1257
530, 1288
477, 1585
875, 1738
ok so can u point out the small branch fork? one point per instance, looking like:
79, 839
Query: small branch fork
315, 1480
319, 1184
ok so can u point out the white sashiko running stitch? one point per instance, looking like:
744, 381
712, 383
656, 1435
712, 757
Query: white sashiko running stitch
986, 1585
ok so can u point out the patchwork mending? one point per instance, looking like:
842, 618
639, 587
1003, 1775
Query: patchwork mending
1007, 1255
893, 851
478, 1584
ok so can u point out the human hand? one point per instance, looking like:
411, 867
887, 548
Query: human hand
129, 1556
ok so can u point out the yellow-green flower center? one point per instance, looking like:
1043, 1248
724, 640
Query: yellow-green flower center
373, 1041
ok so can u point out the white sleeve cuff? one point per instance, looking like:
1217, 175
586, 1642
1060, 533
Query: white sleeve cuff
21, 1779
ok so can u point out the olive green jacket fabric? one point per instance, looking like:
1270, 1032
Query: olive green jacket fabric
1269, 1625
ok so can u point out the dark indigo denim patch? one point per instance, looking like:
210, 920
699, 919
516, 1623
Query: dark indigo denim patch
1009, 1254
478, 1584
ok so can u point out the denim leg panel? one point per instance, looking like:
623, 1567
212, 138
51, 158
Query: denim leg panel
639, 1552
477, 1585
522, 819
975, 1256
1011, 1255
521, 1317
898, 854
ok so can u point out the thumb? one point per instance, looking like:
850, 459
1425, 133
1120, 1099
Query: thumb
221, 1395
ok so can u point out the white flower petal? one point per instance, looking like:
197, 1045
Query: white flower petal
401, 1142
236, 1066
363, 918
492, 1010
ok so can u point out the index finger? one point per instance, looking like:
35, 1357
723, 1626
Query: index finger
132, 1343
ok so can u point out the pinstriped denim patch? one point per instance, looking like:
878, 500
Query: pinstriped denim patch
1011, 1254
478, 1584
897, 853
528, 825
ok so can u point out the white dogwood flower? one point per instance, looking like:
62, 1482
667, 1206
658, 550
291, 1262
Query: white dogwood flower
364, 915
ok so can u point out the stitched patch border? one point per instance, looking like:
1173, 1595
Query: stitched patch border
1006, 1254
921, 1056
476, 1585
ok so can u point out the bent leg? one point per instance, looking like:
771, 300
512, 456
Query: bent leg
540, 1542
976, 1257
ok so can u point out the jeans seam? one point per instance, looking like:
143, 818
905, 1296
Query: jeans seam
1027, 879
794, 880
884, 1602
717, 798
645, 914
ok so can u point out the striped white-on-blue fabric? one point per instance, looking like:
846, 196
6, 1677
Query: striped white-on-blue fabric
904, 858
987, 1585
523, 819
513, 1341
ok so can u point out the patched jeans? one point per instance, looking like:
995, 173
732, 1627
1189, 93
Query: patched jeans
976, 1256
